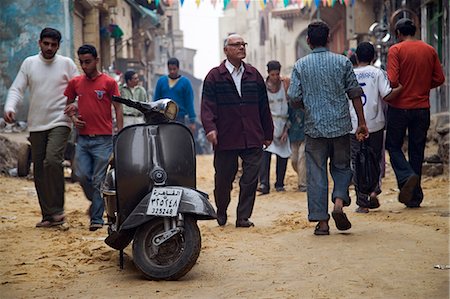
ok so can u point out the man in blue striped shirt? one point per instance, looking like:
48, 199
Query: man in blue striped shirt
323, 82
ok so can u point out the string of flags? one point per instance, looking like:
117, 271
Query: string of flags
262, 3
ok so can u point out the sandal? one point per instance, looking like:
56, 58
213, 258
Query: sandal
53, 221
362, 210
95, 226
341, 220
48, 223
321, 232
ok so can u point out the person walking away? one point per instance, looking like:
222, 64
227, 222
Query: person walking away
94, 123
48, 126
236, 117
178, 88
376, 87
322, 81
415, 65
296, 134
131, 89
280, 146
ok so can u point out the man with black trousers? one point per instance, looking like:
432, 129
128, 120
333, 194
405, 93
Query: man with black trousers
236, 117
414, 65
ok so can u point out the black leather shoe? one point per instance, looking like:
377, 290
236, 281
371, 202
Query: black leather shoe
263, 189
244, 223
222, 220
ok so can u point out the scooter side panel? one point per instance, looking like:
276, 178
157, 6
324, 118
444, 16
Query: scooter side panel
178, 155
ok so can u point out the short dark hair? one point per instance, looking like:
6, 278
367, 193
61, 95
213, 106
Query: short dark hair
273, 65
318, 33
365, 52
128, 75
173, 61
406, 27
50, 33
87, 49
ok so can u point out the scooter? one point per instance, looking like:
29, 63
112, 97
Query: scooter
150, 193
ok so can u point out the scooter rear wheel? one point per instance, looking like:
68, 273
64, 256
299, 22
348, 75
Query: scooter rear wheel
172, 259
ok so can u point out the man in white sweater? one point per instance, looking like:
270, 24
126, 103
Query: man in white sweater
46, 75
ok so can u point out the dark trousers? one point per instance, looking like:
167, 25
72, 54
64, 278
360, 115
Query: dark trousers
264, 172
375, 141
47, 153
416, 121
226, 166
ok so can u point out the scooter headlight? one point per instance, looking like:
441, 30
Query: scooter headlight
171, 110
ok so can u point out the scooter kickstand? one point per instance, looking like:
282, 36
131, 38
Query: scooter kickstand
121, 259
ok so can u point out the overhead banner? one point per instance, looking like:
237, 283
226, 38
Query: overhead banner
261, 3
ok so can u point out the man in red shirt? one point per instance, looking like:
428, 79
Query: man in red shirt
415, 65
94, 123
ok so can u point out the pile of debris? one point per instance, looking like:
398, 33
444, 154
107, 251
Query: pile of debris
438, 136
8, 155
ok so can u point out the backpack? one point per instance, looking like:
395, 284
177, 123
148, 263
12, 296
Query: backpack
367, 169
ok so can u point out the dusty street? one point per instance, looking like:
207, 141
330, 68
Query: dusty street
388, 253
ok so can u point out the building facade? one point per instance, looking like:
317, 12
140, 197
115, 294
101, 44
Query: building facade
128, 34
279, 32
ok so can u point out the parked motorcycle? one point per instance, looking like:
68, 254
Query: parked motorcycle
150, 193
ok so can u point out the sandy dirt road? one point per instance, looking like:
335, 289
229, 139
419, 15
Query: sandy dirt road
388, 253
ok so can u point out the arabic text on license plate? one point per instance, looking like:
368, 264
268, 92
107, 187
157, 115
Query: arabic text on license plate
164, 202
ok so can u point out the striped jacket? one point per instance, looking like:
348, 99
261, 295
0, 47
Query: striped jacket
324, 82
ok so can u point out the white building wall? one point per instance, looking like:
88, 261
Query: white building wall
279, 44
121, 15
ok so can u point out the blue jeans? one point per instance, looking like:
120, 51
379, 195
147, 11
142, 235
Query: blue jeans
92, 155
416, 121
317, 152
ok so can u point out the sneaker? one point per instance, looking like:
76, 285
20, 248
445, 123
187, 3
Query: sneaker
94, 226
407, 190
280, 189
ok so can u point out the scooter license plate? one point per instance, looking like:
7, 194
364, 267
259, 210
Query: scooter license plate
164, 201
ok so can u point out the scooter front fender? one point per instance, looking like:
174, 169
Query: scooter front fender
192, 202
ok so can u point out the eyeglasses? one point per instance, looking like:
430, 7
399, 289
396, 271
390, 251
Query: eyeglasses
238, 45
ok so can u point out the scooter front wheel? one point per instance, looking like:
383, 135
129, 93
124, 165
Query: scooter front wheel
172, 259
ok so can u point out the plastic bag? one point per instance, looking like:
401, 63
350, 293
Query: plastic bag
367, 169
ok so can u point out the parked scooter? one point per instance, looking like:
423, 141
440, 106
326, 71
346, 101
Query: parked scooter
150, 193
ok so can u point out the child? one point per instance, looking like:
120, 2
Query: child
376, 87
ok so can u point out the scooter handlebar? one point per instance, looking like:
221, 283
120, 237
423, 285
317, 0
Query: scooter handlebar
165, 107
142, 107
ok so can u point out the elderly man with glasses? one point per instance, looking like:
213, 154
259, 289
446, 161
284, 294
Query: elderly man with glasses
237, 120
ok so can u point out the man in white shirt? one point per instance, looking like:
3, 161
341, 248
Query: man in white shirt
376, 87
46, 75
